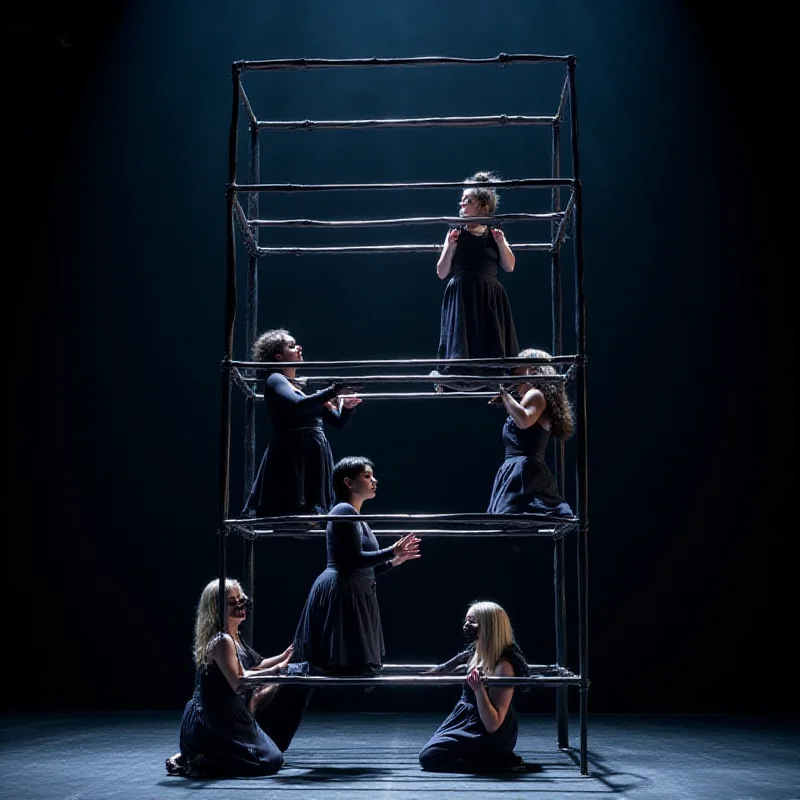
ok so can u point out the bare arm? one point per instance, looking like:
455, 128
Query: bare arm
458, 663
275, 661
224, 654
526, 412
492, 708
445, 262
507, 258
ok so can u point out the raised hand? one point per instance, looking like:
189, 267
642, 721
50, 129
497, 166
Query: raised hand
498, 398
499, 236
344, 388
285, 657
287, 653
406, 548
351, 401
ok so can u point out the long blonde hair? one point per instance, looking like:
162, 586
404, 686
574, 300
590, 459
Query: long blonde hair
495, 635
562, 421
206, 622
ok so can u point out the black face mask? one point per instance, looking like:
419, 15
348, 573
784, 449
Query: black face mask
240, 607
470, 631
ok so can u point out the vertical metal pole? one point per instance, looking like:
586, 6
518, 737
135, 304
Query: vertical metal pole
559, 583
230, 318
581, 438
251, 331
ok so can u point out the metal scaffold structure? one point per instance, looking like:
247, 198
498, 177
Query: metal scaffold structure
377, 377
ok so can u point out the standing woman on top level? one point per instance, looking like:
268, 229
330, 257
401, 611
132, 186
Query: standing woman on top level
476, 319
296, 471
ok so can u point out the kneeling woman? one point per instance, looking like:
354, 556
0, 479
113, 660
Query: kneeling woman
480, 734
219, 735
340, 631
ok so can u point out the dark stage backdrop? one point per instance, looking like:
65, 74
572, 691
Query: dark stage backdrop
115, 264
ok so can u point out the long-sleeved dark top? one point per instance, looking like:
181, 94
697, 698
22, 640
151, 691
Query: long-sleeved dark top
290, 410
352, 546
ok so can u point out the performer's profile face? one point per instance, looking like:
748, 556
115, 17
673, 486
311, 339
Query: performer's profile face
365, 484
291, 351
469, 205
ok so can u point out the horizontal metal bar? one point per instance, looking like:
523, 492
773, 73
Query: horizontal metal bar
418, 61
501, 120
553, 534
543, 247
460, 532
476, 518
404, 680
457, 525
417, 669
453, 395
519, 183
458, 395
412, 362
388, 223
470, 380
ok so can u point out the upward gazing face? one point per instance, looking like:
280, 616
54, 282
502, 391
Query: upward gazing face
364, 485
469, 205
291, 351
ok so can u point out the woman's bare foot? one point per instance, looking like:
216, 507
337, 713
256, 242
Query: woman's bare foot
175, 764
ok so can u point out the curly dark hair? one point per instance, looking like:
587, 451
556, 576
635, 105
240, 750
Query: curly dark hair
269, 344
562, 421
486, 196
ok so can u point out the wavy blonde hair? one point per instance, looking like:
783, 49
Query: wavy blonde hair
559, 409
206, 621
495, 635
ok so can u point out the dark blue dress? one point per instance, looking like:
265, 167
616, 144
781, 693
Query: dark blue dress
340, 626
219, 736
296, 471
340, 629
524, 483
476, 320
462, 743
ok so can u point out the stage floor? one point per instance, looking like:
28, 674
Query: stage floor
337, 756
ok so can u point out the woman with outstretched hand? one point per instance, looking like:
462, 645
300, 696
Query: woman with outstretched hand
340, 631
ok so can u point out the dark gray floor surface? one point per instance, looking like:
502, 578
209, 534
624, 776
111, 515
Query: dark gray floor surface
343, 756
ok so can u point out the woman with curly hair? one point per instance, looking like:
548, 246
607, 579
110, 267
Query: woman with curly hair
219, 736
295, 473
524, 482
476, 320
480, 734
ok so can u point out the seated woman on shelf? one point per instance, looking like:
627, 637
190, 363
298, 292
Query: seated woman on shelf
480, 734
294, 476
219, 736
340, 629
524, 483
476, 319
